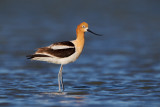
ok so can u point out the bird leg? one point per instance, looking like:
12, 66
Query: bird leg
60, 79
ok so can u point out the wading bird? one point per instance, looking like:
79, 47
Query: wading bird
63, 52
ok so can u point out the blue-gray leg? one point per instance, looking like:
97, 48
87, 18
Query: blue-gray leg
60, 79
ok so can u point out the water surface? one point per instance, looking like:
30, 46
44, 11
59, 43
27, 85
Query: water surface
122, 68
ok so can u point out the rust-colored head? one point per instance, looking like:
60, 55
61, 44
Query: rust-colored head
82, 27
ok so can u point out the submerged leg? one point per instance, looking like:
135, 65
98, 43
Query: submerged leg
60, 79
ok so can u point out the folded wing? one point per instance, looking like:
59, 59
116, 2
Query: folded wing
59, 50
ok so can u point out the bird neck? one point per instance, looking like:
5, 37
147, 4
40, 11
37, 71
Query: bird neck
80, 40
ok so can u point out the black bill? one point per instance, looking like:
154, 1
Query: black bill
93, 32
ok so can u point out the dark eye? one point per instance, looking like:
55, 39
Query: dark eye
83, 26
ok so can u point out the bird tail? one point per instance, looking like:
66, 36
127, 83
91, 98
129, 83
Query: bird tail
30, 56
35, 56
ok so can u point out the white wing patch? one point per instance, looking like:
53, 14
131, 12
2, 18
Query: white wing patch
56, 47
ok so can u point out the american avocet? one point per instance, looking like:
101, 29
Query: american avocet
63, 52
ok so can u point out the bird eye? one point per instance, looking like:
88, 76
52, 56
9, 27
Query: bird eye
83, 26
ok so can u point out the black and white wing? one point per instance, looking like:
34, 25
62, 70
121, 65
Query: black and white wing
59, 50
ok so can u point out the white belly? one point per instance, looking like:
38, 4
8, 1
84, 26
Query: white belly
58, 60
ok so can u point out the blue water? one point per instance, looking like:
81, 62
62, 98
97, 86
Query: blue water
119, 69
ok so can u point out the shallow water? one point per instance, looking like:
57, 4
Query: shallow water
122, 68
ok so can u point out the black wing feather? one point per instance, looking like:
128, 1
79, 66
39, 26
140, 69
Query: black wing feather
36, 55
49, 52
